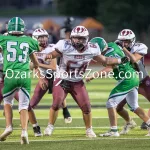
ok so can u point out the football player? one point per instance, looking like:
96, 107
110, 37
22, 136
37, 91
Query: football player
47, 69
75, 55
17, 49
128, 82
136, 51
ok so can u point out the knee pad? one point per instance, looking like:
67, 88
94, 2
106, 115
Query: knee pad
86, 109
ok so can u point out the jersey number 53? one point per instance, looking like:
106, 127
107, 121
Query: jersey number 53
13, 47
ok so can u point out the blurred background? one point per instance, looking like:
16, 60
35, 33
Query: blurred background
101, 17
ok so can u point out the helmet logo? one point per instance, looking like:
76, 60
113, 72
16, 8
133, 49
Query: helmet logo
125, 33
79, 30
39, 30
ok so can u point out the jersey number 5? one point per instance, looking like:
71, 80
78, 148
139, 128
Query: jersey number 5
12, 48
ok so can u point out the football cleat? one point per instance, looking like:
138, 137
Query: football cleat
24, 137
37, 131
90, 133
49, 130
128, 127
6, 133
144, 126
68, 120
110, 133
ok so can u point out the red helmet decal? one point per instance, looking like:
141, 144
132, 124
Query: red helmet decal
79, 29
82, 29
125, 33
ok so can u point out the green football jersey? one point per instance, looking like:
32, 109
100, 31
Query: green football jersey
120, 71
16, 51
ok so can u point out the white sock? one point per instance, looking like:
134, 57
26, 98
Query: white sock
50, 125
148, 122
89, 128
114, 128
35, 125
24, 131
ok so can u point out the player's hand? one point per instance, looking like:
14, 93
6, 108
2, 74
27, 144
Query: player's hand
88, 79
125, 59
48, 57
120, 43
43, 84
31, 66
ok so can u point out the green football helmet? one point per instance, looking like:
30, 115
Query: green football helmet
101, 43
16, 26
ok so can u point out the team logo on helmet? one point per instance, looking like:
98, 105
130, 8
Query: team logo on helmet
79, 29
126, 32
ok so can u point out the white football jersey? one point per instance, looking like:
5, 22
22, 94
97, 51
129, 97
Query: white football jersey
142, 49
41, 57
73, 64
139, 48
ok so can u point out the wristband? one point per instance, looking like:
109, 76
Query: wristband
119, 61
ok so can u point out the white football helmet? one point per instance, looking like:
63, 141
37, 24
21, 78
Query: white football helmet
79, 32
127, 34
41, 33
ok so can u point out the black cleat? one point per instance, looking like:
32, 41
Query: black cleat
144, 126
37, 131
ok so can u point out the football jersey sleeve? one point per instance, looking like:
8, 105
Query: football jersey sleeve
49, 49
34, 46
96, 50
59, 46
109, 52
140, 48
1, 41
107, 55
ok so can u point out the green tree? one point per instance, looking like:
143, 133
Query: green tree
118, 14
78, 7
114, 14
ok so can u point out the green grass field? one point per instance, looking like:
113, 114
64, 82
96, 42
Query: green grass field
72, 136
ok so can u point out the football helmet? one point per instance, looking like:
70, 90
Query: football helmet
101, 43
41, 36
79, 37
127, 35
16, 26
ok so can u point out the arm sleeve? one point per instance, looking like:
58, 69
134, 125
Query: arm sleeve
34, 46
141, 49
96, 50
59, 46
1, 42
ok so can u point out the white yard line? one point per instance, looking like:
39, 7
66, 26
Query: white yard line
87, 139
